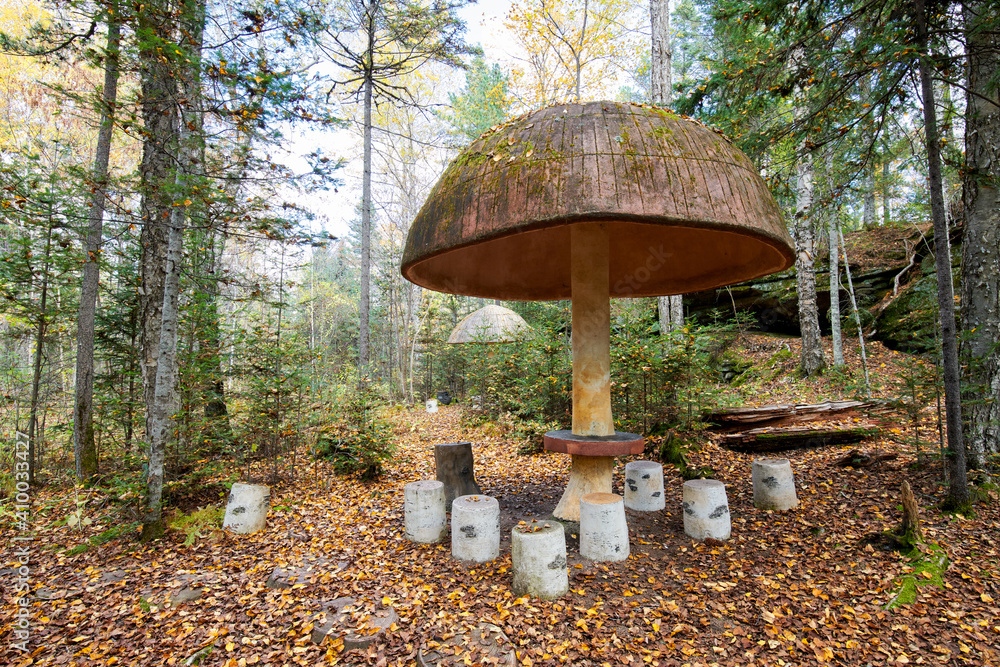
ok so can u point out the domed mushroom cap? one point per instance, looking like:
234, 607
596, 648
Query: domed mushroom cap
490, 324
687, 210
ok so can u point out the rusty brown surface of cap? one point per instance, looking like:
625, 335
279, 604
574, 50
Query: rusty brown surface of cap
687, 210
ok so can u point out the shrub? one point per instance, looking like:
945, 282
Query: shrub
360, 440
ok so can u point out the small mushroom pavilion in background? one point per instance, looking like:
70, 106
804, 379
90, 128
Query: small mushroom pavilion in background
587, 202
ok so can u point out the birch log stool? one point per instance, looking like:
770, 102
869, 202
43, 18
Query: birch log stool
706, 510
424, 517
603, 528
644, 486
538, 558
773, 485
456, 470
475, 528
246, 511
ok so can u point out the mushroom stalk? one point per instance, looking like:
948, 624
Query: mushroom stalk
590, 285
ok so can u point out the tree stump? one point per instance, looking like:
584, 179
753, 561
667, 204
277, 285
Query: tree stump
475, 528
773, 485
423, 511
603, 527
644, 486
538, 558
456, 470
910, 528
706, 510
246, 511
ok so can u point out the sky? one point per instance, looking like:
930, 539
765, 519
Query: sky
484, 26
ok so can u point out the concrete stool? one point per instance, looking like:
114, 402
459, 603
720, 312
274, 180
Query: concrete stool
538, 556
773, 485
247, 508
644, 486
706, 509
424, 517
603, 529
475, 528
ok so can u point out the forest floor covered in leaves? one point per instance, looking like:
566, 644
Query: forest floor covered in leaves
803, 587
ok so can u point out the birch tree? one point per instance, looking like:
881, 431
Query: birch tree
574, 48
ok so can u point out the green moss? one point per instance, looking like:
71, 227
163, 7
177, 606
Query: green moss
97, 540
197, 523
929, 565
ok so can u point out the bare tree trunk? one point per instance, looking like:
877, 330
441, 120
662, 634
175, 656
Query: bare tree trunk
868, 212
160, 419
835, 332
857, 315
671, 308
886, 209
661, 60
805, 269
980, 260
958, 489
40, 330
84, 446
364, 310
159, 95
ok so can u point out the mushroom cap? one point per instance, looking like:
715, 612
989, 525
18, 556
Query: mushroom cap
686, 209
489, 324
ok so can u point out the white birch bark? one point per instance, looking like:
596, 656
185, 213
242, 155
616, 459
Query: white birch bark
835, 332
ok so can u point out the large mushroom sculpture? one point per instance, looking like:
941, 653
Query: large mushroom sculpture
489, 324
587, 202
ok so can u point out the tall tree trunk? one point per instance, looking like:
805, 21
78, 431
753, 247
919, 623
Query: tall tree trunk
364, 310
84, 446
958, 489
159, 148
868, 212
857, 315
160, 419
40, 330
980, 259
835, 332
805, 268
886, 159
187, 142
671, 308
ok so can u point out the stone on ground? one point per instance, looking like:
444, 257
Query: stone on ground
336, 621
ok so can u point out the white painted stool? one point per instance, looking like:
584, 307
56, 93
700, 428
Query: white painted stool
706, 510
424, 518
773, 485
644, 486
603, 529
246, 511
475, 528
538, 556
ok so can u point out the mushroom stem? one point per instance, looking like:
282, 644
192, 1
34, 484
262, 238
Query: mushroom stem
588, 474
590, 285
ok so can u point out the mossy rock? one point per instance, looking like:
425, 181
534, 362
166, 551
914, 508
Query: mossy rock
909, 323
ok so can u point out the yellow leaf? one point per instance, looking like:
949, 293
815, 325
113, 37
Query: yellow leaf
230, 647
